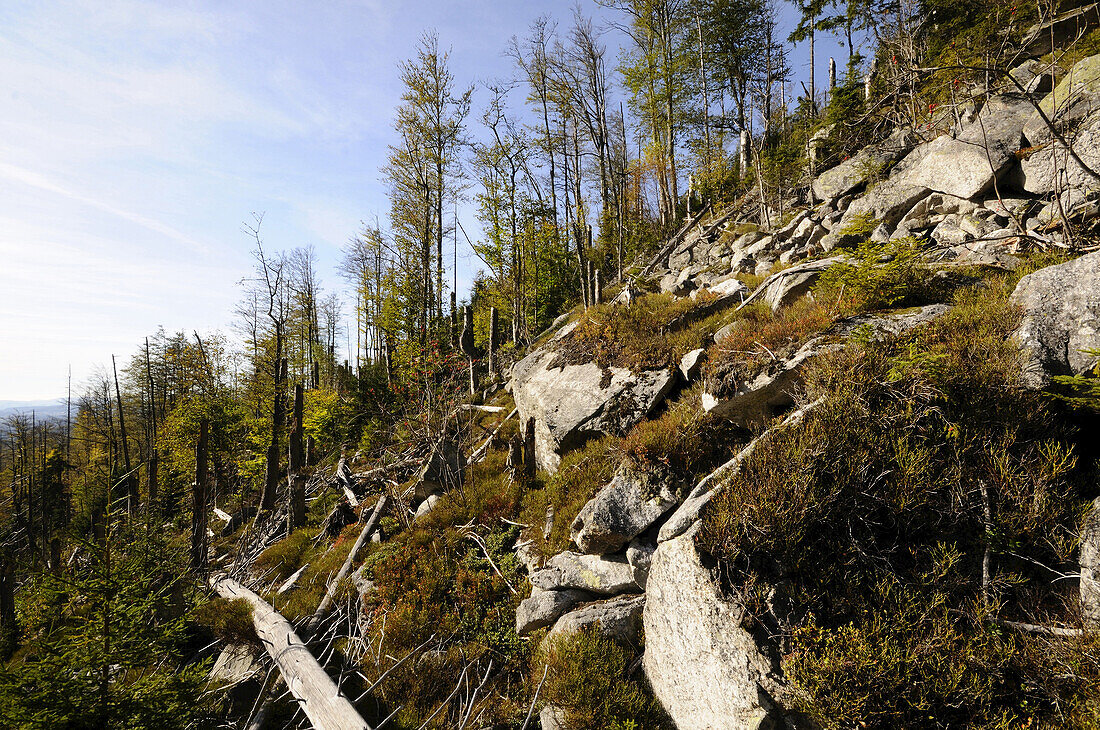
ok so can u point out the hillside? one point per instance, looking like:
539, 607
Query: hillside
816, 449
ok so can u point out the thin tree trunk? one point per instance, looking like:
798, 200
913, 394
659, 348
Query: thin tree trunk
198, 502
278, 416
295, 477
132, 495
330, 593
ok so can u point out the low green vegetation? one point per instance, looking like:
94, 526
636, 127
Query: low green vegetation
596, 684
925, 501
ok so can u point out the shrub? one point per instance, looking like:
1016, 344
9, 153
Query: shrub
915, 660
633, 337
285, 556
924, 463
589, 678
684, 441
229, 620
760, 338
876, 276
579, 476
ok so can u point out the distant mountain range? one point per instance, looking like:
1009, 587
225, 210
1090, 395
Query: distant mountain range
43, 409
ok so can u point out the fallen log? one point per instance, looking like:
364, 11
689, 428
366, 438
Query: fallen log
322, 609
316, 693
484, 448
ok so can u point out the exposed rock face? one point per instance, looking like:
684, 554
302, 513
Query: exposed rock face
965, 166
861, 167
574, 402
444, 469
543, 608
606, 575
1076, 97
704, 668
755, 400
619, 618
640, 556
622, 510
792, 284
1061, 319
1090, 565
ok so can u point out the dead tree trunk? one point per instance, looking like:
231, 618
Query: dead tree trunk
494, 336
322, 608
316, 693
9, 631
132, 495
466, 342
198, 502
529, 449
278, 415
295, 477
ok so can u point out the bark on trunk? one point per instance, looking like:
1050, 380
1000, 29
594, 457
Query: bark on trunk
295, 476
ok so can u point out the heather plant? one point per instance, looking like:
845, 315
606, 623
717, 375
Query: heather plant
926, 500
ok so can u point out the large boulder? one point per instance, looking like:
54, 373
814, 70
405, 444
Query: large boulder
618, 618
705, 669
1050, 168
622, 510
607, 575
443, 470
871, 161
543, 608
965, 166
571, 403
1061, 319
1075, 97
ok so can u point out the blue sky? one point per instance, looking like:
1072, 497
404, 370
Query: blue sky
137, 137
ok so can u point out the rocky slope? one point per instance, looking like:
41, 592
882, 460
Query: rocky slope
972, 202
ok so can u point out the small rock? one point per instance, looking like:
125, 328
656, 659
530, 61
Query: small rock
603, 574
444, 470
543, 608
552, 718
235, 664
362, 583
619, 618
692, 363
427, 505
